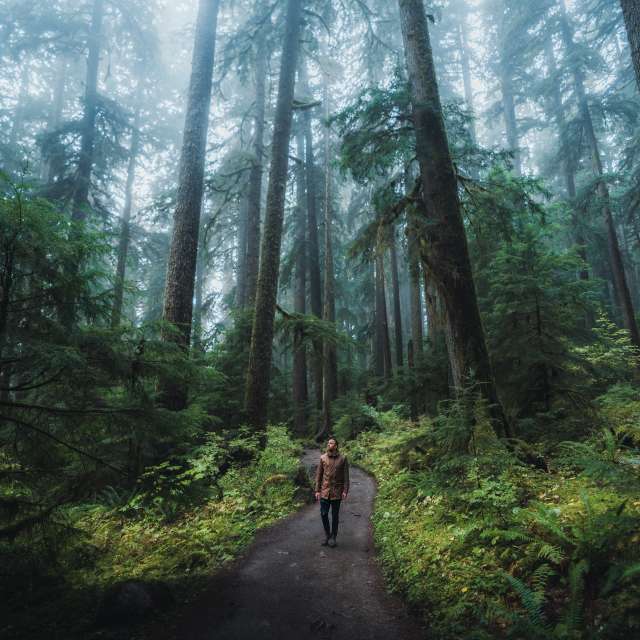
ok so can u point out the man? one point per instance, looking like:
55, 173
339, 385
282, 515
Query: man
332, 486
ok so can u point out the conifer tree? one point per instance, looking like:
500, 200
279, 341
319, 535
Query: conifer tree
444, 245
631, 12
181, 267
259, 371
615, 255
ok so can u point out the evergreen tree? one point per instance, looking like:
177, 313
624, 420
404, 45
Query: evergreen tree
181, 267
259, 371
445, 248
631, 13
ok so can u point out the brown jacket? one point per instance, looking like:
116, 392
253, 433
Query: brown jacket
332, 475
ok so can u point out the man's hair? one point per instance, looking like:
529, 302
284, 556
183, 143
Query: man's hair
333, 438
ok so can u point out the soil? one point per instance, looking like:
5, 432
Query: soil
286, 586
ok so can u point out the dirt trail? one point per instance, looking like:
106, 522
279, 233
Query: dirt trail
286, 586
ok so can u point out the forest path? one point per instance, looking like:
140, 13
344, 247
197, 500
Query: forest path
286, 586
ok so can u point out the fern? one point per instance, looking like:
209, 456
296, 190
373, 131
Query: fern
540, 578
505, 535
532, 601
550, 552
577, 577
547, 518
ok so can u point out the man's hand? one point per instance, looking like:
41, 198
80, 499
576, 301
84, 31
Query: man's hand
317, 496
344, 495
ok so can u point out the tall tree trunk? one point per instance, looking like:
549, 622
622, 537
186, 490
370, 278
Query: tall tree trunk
7, 282
198, 301
445, 251
80, 197
415, 300
509, 112
383, 347
125, 225
259, 370
241, 259
627, 257
631, 12
417, 325
397, 314
17, 127
313, 243
615, 256
414, 396
300, 392
508, 98
50, 167
255, 177
466, 76
330, 357
83, 177
568, 164
181, 266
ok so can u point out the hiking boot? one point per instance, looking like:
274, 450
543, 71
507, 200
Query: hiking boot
326, 542
332, 541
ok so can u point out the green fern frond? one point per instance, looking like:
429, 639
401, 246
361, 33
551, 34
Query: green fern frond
577, 575
505, 535
550, 552
547, 518
540, 578
531, 601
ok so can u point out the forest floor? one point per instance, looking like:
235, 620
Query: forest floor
287, 586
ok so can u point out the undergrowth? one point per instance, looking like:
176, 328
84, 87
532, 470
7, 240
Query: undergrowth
486, 546
178, 525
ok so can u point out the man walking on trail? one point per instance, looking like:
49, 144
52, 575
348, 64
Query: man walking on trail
332, 486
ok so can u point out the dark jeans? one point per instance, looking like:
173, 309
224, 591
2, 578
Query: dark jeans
324, 514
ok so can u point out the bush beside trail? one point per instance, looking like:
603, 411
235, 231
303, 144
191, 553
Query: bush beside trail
172, 531
486, 546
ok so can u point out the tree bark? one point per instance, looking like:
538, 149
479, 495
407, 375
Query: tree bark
50, 167
415, 299
417, 325
466, 76
241, 261
397, 314
198, 300
125, 225
80, 203
383, 366
255, 177
568, 166
631, 13
85, 163
17, 127
181, 266
300, 392
615, 255
508, 102
330, 357
259, 370
509, 111
444, 246
313, 243
7, 281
